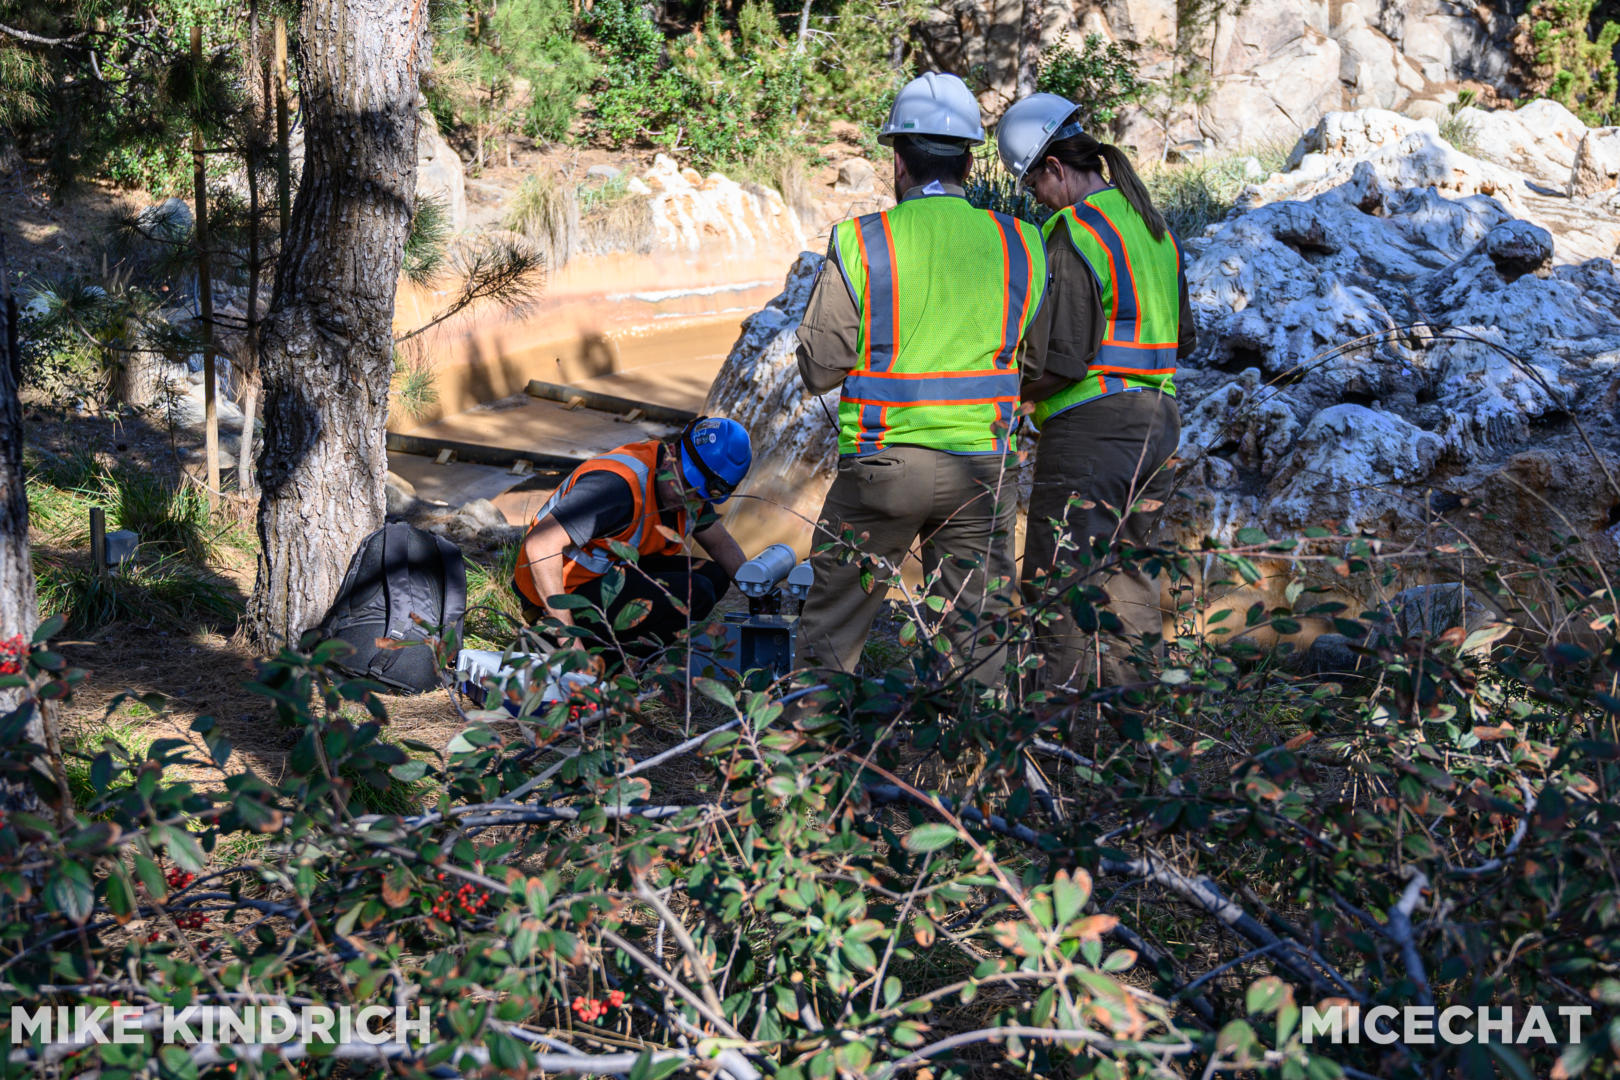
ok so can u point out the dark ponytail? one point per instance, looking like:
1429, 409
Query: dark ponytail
1085, 154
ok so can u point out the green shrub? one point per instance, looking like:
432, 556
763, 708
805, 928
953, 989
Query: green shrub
725, 98
1101, 78
488, 49
1566, 56
1228, 839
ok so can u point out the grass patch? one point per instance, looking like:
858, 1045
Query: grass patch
1461, 132
1195, 194
494, 614
396, 797
167, 593
124, 737
614, 218
171, 517
546, 210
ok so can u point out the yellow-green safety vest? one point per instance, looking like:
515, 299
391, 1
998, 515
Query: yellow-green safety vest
946, 294
1139, 283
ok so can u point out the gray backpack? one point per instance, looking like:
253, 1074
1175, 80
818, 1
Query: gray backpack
398, 571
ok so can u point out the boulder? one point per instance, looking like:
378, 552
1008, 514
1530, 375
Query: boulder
439, 172
482, 514
1538, 140
1597, 163
856, 177
400, 495
716, 215
1276, 79
603, 172
1369, 63
1431, 610
170, 220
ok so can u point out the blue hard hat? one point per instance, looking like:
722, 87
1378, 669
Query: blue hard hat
715, 455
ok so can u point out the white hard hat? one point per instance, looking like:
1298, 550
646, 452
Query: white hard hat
934, 106
1029, 127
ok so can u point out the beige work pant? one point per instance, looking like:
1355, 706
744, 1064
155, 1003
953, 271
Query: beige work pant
1111, 453
962, 506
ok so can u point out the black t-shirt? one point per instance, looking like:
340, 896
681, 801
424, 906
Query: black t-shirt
601, 504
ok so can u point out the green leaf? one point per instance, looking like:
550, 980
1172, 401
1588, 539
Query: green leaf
120, 898
1265, 994
151, 877
1251, 537
1511, 1063
101, 771
632, 613
181, 846
646, 1068
1119, 960
926, 838
717, 692
1068, 897
69, 893
409, 772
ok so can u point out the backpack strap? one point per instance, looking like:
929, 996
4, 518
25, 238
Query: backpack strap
396, 572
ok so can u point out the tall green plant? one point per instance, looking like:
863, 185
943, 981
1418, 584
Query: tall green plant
1102, 77
1570, 57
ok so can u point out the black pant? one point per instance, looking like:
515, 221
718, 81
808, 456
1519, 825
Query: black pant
659, 582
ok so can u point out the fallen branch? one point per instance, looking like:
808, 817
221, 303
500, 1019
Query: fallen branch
1400, 932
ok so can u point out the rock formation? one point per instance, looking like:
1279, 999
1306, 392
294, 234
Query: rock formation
693, 213
1276, 68
1394, 335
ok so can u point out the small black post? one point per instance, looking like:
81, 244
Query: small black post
98, 540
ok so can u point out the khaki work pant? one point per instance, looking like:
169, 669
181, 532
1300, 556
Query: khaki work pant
1111, 453
962, 506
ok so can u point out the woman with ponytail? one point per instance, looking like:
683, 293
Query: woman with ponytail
1106, 405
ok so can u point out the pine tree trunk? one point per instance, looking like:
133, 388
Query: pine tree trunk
1029, 45
326, 345
19, 613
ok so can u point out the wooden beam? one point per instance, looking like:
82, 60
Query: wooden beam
662, 414
477, 453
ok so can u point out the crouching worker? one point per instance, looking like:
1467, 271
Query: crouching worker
649, 497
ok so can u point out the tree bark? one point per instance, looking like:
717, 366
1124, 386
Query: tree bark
326, 345
19, 612
1030, 27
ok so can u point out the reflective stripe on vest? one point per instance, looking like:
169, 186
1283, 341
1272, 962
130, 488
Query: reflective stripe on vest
600, 560
584, 563
1139, 284
938, 342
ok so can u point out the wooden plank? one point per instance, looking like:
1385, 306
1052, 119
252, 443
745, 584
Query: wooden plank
478, 454
591, 399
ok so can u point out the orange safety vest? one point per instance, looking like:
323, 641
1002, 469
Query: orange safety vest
637, 464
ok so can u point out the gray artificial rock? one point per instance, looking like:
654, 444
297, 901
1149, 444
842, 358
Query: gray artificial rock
482, 514
400, 494
856, 176
440, 174
604, 172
